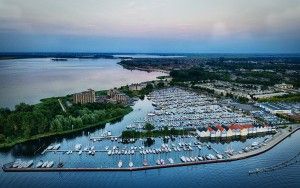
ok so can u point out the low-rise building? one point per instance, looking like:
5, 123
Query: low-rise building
212, 132
233, 130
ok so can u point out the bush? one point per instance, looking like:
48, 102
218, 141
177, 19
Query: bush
149, 127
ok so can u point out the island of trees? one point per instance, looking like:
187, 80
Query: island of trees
29, 122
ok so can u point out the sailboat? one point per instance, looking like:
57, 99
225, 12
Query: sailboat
130, 162
39, 164
229, 150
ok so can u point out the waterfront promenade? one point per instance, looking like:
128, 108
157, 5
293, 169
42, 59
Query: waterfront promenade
278, 137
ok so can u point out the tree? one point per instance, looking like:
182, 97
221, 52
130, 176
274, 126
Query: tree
160, 85
2, 138
149, 127
22, 107
149, 87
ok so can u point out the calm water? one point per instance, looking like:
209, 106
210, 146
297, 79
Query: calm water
234, 174
29, 80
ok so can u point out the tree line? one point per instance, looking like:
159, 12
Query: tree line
47, 117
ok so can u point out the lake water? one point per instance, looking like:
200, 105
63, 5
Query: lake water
29, 80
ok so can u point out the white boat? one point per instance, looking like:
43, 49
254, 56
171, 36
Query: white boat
219, 156
130, 164
50, 164
200, 158
120, 163
17, 163
158, 162
109, 152
145, 163
28, 164
21, 165
77, 146
187, 159
254, 144
183, 159
45, 164
56, 147
49, 147
171, 161
80, 152
212, 157
39, 164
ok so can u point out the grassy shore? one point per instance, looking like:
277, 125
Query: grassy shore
51, 134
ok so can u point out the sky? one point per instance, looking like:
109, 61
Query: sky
150, 26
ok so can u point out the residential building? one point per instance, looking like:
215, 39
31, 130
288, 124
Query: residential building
118, 97
84, 97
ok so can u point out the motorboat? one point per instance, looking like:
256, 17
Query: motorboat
50, 164
39, 164
120, 164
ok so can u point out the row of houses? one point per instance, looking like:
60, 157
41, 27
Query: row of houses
221, 131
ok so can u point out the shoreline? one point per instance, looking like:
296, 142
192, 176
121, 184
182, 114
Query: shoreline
47, 135
277, 139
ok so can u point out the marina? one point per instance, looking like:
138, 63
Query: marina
254, 149
186, 161
106, 150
